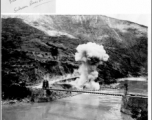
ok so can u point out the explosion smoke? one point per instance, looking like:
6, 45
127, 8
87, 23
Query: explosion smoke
90, 55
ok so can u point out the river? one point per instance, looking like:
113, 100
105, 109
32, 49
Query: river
80, 107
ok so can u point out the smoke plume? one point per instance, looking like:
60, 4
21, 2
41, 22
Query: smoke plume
90, 55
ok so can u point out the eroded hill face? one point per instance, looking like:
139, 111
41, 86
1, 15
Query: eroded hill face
35, 46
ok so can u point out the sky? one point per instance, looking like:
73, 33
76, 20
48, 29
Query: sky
138, 11
137, 18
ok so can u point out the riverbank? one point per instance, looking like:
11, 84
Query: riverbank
37, 96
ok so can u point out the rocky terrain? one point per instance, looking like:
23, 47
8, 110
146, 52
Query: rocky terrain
33, 46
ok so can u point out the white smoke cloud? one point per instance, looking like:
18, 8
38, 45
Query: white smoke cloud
90, 49
88, 73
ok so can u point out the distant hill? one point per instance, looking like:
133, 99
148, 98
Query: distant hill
34, 46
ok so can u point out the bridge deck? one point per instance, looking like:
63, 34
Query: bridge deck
102, 92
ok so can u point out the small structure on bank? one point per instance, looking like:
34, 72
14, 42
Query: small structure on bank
45, 86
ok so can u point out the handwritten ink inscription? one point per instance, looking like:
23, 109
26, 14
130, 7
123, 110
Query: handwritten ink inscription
11, 1
30, 3
16, 9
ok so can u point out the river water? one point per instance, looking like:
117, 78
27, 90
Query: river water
80, 107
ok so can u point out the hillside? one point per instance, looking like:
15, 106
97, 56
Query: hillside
33, 46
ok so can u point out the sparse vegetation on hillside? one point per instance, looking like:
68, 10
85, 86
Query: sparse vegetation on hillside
28, 52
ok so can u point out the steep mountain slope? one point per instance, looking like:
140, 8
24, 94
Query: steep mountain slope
33, 46
25, 57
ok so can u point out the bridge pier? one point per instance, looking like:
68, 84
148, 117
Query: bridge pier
133, 105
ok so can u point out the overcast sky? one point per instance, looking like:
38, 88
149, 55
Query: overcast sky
137, 18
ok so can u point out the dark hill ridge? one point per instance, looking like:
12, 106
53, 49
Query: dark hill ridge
25, 57
29, 52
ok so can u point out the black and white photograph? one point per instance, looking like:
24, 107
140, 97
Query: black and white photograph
74, 67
